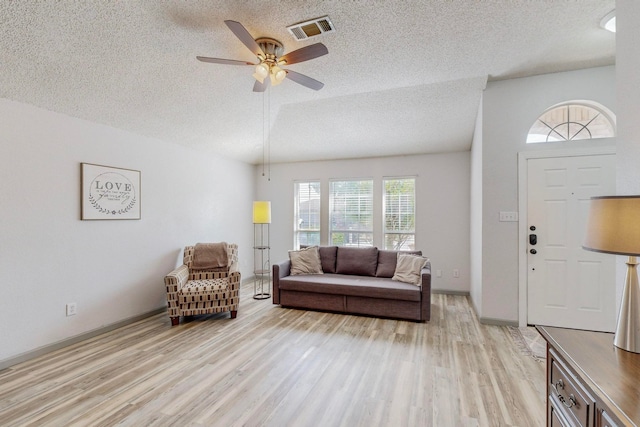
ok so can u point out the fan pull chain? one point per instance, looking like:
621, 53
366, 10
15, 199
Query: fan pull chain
266, 121
264, 141
269, 134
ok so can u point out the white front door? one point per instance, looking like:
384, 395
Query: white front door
568, 286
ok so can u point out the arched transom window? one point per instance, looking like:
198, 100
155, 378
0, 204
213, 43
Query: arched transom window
571, 122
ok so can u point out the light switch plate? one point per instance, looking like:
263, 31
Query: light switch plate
508, 216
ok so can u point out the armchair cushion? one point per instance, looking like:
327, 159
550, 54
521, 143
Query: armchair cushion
203, 290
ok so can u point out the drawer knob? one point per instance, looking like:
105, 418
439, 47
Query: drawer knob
559, 385
572, 401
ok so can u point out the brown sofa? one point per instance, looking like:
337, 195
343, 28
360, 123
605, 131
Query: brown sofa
355, 281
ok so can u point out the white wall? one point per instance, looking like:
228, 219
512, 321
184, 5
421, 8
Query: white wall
442, 193
476, 215
627, 66
113, 270
509, 109
628, 98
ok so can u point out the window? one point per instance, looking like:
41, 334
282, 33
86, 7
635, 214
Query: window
571, 122
307, 213
351, 213
399, 206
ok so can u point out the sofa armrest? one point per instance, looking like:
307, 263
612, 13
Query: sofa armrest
425, 289
280, 270
235, 280
173, 282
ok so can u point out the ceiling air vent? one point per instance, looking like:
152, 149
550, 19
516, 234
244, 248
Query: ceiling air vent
312, 28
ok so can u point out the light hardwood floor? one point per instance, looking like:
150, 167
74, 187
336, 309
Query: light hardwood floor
279, 367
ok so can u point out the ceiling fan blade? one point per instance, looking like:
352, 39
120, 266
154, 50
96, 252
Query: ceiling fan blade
305, 53
261, 87
223, 61
245, 37
304, 80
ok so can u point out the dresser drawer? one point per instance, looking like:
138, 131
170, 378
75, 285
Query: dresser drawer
575, 402
606, 420
555, 416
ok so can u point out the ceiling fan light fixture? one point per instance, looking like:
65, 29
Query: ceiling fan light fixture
277, 75
262, 71
270, 57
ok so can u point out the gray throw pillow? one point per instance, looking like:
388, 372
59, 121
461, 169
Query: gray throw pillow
305, 261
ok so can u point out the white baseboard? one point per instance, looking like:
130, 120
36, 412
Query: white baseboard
449, 292
498, 322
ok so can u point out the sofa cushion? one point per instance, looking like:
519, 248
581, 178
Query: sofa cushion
408, 268
357, 261
328, 258
387, 261
344, 284
305, 261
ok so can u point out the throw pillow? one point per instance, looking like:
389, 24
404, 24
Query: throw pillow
408, 268
328, 257
387, 261
305, 261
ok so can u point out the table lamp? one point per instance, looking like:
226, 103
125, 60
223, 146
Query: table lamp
613, 227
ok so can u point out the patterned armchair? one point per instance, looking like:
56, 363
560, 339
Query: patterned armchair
192, 292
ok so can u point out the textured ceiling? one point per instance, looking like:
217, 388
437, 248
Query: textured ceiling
401, 77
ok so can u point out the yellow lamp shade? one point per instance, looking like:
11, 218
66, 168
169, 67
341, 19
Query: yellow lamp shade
613, 225
262, 212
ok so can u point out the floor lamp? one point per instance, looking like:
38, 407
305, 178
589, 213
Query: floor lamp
613, 227
261, 249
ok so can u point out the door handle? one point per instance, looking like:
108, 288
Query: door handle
533, 239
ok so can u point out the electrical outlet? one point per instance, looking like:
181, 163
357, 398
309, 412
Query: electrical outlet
72, 309
438, 273
456, 273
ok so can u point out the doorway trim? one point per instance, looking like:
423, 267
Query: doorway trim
523, 171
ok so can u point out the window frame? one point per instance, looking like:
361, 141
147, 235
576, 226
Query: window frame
555, 130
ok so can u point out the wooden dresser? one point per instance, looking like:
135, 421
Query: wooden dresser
590, 382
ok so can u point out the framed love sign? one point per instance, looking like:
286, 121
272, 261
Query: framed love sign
109, 192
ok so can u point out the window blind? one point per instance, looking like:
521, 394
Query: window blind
307, 213
399, 213
351, 212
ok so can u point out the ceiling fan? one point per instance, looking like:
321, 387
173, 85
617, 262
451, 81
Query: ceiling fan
269, 53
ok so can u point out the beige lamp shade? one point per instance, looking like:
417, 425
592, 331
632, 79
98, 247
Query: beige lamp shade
613, 225
262, 212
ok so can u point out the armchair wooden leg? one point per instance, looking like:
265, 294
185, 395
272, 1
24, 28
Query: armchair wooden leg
175, 321
234, 313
